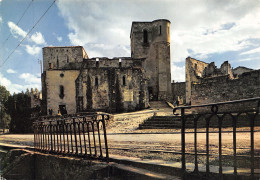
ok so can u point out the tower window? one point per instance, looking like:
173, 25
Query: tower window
57, 62
67, 59
97, 62
50, 65
96, 81
145, 36
120, 62
61, 92
160, 30
124, 81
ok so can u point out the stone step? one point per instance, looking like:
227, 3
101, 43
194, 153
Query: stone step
158, 104
166, 122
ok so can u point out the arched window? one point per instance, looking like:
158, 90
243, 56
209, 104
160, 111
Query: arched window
61, 91
145, 36
96, 81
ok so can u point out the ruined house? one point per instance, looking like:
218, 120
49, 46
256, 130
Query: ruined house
206, 83
72, 82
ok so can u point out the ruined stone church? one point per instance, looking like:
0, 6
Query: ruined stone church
72, 82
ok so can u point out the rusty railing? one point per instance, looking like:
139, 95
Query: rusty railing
213, 120
83, 136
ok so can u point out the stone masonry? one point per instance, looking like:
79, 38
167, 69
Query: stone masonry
206, 83
72, 82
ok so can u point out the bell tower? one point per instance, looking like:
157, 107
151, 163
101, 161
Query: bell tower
151, 40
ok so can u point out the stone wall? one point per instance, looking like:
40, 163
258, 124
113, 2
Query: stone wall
58, 57
240, 70
178, 91
54, 80
111, 89
194, 71
222, 88
151, 40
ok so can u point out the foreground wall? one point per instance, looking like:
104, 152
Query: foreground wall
222, 88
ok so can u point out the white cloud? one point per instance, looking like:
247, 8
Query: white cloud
30, 78
59, 38
16, 30
9, 85
38, 38
252, 51
32, 50
249, 59
205, 27
11, 71
1, 19
198, 28
178, 73
31, 81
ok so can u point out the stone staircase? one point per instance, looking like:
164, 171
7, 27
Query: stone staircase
161, 122
174, 122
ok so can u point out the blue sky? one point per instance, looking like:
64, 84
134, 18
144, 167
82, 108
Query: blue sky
207, 30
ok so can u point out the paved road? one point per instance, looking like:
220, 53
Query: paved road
169, 142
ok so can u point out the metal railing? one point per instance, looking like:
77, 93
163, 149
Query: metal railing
83, 136
250, 116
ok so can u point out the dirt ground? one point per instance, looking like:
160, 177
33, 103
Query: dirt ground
124, 138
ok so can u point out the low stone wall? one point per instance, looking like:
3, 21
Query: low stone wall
221, 89
23, 164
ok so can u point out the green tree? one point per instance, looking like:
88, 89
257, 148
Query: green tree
4, 116
19, 108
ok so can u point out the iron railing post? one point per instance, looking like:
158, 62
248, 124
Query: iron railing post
252, 124
51, 136
235, 143
220, 144
105, 136
75, 135
183, 141
196, 169
207, 146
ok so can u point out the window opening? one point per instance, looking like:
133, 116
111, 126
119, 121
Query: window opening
96, 81
124, 81
57, 62
145, 36
160, 29
97, 62
120, 62
61, 91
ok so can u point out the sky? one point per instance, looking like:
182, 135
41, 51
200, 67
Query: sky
207, 30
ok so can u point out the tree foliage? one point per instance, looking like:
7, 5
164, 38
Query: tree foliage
19, 108
4, 116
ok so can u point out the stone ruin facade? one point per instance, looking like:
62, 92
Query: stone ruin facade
205, 83
72, 82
